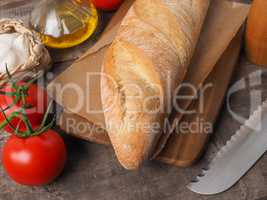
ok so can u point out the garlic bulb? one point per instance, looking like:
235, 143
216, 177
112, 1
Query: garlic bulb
14, 51
21, 50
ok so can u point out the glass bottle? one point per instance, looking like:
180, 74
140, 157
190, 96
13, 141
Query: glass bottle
64, 23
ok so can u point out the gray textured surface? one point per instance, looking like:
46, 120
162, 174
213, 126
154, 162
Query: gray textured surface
92, 171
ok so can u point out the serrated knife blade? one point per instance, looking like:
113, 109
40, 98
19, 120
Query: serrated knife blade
234, 159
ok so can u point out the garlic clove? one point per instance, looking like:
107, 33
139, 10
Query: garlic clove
21, 46
11, 60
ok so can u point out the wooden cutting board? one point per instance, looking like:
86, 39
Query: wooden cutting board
183, 149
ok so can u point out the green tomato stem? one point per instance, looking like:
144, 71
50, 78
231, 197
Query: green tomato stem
8, 119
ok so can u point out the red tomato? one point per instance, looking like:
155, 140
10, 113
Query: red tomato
36, 160
107, 4
36, 97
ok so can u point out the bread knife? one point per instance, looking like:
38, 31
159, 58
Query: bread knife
234, 159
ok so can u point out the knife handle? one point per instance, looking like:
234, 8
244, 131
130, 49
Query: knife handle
256, 33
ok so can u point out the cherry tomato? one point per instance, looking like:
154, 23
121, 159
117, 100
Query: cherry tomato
36, 160
107, 4
36, 98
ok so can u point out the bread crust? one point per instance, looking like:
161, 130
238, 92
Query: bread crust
156, 40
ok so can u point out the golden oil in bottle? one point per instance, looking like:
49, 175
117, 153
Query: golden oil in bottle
64, 23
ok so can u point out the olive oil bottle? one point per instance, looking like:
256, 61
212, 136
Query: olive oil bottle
64, 23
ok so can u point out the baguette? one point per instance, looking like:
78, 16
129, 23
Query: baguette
150, 53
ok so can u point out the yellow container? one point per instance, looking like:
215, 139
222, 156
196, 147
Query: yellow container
64, 23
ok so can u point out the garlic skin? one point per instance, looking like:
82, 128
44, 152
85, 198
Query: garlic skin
21, 50
14, 51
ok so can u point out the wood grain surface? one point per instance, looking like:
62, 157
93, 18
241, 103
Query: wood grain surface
184, 149
92, 171
256, 34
